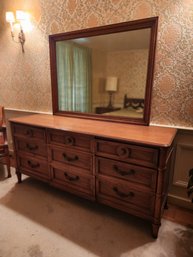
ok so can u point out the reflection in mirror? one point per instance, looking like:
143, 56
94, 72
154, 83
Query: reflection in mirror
108, 74
74, 72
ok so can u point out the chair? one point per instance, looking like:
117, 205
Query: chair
4, 150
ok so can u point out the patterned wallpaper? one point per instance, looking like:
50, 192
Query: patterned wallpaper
25, 78
131, 69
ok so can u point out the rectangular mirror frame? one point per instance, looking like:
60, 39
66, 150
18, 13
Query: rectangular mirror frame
151, 23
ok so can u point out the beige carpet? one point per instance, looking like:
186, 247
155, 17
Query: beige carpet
37, 220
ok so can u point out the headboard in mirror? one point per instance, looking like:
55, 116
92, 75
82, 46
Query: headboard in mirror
105, 72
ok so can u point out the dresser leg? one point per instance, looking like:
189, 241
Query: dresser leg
166, 205
155, 229
18, 173
9, 171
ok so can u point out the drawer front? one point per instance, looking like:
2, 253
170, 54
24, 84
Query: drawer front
125, 196
73, 180
31, 146
129, 153
76, 141
29, 131
71, 157
137, 174
34, 166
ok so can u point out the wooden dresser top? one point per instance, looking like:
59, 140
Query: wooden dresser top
150, 135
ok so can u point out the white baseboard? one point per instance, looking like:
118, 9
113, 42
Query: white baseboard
180, 201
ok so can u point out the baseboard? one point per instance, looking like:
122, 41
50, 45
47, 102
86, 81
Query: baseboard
180, 201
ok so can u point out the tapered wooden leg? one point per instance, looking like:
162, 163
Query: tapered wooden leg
155, 229
8, 171
8, 168
166, 205
18, 173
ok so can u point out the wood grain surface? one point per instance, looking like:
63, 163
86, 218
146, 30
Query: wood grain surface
150, 135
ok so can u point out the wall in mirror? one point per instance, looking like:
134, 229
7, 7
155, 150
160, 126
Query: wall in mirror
104, 72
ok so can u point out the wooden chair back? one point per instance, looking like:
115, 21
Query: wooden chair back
2, 116
4, 150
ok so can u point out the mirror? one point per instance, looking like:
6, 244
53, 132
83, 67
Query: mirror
105, 72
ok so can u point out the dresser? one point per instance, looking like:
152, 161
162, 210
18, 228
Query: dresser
119, 165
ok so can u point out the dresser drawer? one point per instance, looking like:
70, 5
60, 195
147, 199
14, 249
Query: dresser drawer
127, 172
71, 157
128, 153
126, 196
34, 166
32, 146
74, 140
72, 180
28, 131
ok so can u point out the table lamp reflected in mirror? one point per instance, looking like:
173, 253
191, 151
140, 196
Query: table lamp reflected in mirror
111, 88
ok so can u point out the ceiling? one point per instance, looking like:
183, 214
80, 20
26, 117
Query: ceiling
135, 39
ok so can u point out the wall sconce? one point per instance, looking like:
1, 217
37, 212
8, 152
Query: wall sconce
21, 17
111, 87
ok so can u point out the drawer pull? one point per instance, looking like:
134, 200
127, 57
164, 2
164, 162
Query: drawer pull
30, 133
71, 178
69, 140
69, 159
121, 194
122, 172
33, 165
32, 147
123, 151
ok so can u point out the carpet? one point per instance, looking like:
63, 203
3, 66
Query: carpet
37, 220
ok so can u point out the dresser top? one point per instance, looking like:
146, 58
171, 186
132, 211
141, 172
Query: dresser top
150, 135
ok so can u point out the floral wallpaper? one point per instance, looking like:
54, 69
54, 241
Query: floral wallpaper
25, 78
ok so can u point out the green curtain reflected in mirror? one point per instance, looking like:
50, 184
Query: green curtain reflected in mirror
74, 77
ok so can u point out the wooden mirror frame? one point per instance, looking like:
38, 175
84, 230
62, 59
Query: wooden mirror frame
151, 23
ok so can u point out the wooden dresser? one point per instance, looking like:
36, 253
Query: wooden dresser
120, 165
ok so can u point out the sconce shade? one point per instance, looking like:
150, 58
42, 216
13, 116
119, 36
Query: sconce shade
111, 84
10, 17
20, 15
21, 18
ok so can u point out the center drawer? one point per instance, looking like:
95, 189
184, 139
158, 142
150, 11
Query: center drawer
72, 179
70, 156
74, 140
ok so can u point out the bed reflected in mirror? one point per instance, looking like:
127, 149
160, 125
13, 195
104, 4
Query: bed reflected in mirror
105, 72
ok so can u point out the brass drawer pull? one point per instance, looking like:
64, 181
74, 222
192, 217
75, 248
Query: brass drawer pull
121, 194
30, 132
68, 140
32, 147
122, 172
69, 159
33, 165
71, 178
